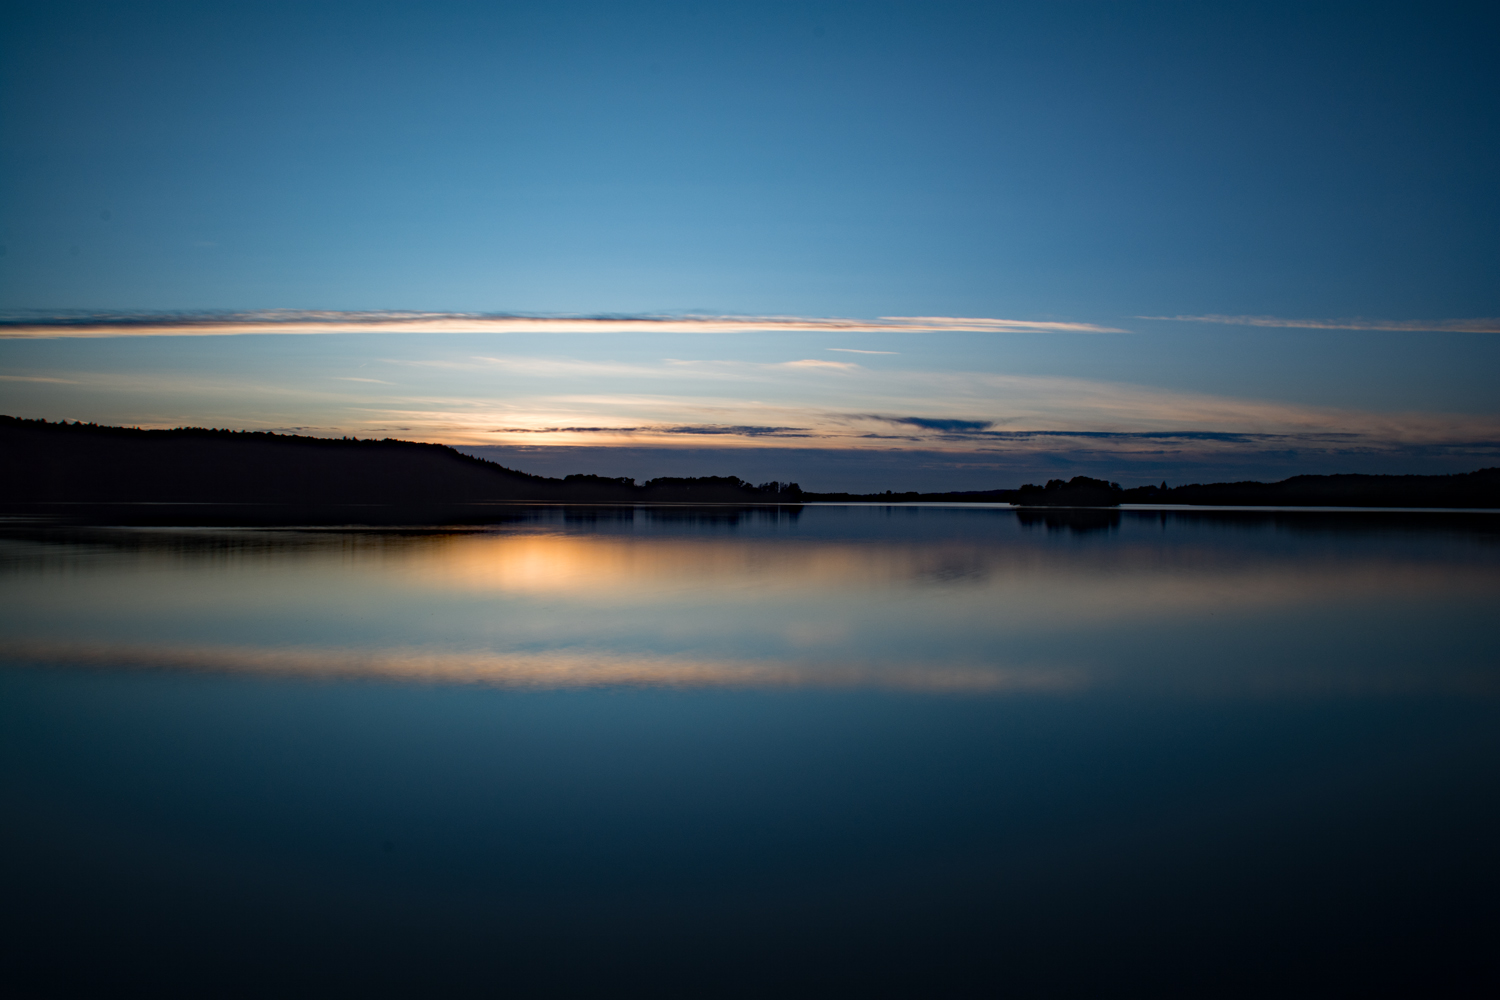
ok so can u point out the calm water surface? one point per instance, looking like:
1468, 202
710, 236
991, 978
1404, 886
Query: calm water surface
885, 751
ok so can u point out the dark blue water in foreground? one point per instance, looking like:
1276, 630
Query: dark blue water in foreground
860, 751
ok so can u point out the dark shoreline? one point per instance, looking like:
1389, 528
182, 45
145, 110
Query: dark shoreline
217, 477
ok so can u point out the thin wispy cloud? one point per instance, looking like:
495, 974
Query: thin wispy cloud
997, 325
984, 414
941, 424
742, 404
761, 371
673, 368
1389, 325
669, 429
817, 363
456, 397
571, 368
299, 322
856, 350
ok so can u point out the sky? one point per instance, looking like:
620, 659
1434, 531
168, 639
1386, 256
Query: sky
859, 246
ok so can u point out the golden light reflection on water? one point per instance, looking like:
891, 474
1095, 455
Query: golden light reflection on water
1097, 586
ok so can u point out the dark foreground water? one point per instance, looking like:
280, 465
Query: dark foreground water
841, 751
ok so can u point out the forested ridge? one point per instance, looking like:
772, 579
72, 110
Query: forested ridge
90, 463
63, 462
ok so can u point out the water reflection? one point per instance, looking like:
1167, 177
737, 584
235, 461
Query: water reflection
843, 751
1079, 520
949, 600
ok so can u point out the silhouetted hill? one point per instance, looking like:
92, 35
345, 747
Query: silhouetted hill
88, 463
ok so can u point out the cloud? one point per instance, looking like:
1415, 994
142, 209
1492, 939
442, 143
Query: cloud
816, 363
568, 368
812, 403
741, 430
856, 350
1391, 325
998, 325
746, 431
940, 424
674, 368
303, 322
752, 371
36, 378
566, 430
960, 412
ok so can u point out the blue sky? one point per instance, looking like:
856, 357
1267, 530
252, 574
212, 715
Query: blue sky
1320, 175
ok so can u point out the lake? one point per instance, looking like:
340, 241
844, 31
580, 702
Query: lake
871, 750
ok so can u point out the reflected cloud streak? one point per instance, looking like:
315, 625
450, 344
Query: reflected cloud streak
567, 670
558, 670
